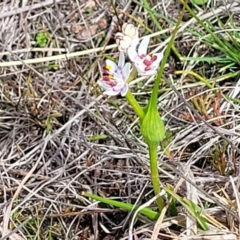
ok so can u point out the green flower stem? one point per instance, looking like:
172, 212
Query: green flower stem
157, 24
152, 127
155, 175
135, 105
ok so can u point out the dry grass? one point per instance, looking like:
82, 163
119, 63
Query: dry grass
60, 136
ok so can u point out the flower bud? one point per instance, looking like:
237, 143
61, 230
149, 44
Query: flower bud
123, 42
130, 30
152, 128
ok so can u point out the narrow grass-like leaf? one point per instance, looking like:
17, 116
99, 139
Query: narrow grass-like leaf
158, 26
199, 2
221, 44
223, 59
126, 206
193, 208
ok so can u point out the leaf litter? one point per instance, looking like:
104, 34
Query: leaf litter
49, 112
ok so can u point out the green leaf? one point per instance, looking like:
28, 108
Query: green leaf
42, 39
172, 205
199, 2
49, 120
145, 211
193, 208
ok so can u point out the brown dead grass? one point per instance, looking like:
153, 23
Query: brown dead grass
49, 112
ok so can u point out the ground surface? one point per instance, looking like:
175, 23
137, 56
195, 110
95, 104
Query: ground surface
60, 136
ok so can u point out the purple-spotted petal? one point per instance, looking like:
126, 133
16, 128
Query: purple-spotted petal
159, 58
104, 85
126, 71
121, 60
142, 50
124, 90
119, 85
142, 72
132, 54
111, 92
140, 69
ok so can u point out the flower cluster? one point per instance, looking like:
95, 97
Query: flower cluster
114, 80
146, 64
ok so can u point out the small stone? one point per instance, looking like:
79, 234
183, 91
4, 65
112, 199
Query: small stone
87, 33
102, 23
90, 4
76, 28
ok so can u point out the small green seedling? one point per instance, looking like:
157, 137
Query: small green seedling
42, 39
90, 10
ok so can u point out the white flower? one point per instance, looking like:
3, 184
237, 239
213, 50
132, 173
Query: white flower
123, 42
130, 30
128, 37
114, 80
146, 64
